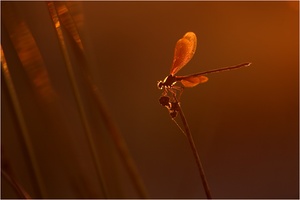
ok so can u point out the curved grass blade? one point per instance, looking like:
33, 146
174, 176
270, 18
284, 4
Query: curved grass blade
88, 132
19, 189
24, 129
68, 22
195, 152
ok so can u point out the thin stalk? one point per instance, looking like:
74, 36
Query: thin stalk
19, 189
179, 127
195, 152
24, 130
119, 142
68, 22
79, 100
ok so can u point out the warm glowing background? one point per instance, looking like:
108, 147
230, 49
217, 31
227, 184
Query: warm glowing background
245, 122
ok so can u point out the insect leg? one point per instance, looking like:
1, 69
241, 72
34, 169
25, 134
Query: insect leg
177, 92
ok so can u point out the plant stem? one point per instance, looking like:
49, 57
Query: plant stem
195, 152
36, 172
18, 188
70, 26
79, 100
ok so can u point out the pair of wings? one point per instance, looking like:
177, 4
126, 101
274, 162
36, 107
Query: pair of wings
184, 51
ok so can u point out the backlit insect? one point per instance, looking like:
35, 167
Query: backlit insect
184, 51
172, 106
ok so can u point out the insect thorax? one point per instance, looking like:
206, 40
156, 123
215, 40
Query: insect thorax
168, 82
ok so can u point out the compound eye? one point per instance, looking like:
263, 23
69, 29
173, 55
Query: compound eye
160, 85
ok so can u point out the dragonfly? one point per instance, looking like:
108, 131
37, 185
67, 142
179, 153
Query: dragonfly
184, 51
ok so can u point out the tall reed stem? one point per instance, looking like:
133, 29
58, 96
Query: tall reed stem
36, 172
195, 152
79, 100
16, 186
68, 22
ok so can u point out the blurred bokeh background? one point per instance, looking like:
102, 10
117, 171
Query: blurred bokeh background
79, 81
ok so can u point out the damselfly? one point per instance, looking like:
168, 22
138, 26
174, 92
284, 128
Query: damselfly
184, 51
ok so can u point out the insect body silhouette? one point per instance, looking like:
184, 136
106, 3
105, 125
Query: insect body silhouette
184, 51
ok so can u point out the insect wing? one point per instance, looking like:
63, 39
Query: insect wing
184, 51
192, 81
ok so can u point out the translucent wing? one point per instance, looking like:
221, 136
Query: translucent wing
191, 81
184, 51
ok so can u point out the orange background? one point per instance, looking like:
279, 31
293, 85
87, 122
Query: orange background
245, 122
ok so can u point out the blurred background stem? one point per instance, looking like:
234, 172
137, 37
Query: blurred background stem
68, 22
38, 181
74, 83
19, 189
